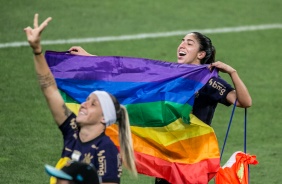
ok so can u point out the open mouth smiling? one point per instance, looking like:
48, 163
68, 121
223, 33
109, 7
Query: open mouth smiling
181, 53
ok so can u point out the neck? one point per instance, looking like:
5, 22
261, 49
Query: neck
196, 62
90, 132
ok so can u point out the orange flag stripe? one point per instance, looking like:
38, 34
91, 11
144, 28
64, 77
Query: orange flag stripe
181, 149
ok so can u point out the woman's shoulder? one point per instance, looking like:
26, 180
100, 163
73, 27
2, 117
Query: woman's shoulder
217, 83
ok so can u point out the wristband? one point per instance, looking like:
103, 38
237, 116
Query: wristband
37, 53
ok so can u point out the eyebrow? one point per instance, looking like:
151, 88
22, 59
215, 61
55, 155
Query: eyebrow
92, 100
190, 40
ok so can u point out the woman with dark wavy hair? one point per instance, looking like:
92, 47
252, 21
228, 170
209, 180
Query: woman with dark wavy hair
196, 48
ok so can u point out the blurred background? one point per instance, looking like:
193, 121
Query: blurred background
252, 45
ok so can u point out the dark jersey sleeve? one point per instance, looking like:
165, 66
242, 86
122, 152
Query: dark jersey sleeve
217, 89
69, 130
69, 127
207, 98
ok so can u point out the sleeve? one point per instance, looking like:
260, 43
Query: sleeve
217, 89
69, 127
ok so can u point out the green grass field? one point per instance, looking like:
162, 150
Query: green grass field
29, 138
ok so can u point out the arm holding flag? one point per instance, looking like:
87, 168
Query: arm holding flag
240, 92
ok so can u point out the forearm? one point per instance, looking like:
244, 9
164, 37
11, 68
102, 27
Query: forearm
45, 78
50, 90
242, 93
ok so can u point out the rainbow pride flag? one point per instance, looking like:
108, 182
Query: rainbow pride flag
169, 142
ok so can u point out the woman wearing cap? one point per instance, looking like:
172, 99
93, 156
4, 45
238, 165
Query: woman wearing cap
84, 134
74, 173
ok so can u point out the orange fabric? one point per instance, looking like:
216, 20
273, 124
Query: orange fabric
235, 171
193, 147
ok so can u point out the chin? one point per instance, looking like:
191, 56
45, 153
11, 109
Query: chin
79, 120
180, 61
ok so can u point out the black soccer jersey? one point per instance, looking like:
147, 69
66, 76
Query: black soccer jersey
101, 151
207, 98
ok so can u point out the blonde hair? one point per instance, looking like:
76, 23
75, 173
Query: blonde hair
125, 138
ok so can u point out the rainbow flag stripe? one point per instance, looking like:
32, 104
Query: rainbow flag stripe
169, 142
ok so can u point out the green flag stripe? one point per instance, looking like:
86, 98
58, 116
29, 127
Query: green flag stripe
157, 114
151, 114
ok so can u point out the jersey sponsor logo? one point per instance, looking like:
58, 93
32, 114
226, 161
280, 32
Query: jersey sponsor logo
119, 165
73, 124
75, 155
102, 163
67, 149
217, 85
94, 146
87, 158
74, 135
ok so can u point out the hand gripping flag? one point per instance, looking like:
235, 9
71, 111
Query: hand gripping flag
169, 142
235, 171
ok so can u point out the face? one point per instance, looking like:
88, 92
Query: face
90, 111
188, 50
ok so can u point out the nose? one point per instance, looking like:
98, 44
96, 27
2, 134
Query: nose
83, 104
181, 45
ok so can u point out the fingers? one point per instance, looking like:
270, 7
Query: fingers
209, 67
35, 20
44, 24
214, 65
222, 67
74, 48
27, 29
217, 64
77, 50
33, 34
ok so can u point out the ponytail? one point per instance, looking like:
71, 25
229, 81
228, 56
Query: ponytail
210, 58
125, 140
206, 46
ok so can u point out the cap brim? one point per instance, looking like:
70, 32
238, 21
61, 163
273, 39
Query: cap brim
52, 171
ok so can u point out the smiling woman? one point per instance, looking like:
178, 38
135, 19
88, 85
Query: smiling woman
84, 135
196, 48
